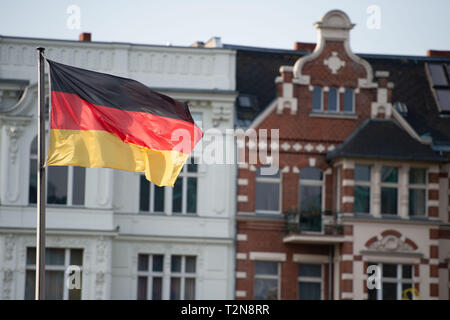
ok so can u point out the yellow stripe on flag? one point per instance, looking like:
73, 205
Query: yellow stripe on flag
101, 149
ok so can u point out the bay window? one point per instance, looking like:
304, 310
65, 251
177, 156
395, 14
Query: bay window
389, 191
362, 189
417, 192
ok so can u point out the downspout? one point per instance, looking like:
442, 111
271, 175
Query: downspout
330, 271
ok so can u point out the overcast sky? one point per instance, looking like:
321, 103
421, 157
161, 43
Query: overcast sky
382, 26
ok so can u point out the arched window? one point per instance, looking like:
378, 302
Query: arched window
65, 185
310, 191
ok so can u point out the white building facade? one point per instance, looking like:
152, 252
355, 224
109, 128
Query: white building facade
132, 239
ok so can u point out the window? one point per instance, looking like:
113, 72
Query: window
349, 105
309, 281
268, 190
181, 199
437, 74
389, 190
182, 277
151, 197
156, 281
150, 277
362, 189
266, 280
417, 192
333, 100
65, 185
395, 279
317, 99
57, 260
184, 192
310, 191
440, 80
443, 96
198, 119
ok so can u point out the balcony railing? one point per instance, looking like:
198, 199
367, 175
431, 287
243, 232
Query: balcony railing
304, 222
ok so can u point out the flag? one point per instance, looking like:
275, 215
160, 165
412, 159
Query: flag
103, 121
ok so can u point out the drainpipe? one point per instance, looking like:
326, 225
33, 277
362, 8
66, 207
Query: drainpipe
330, 271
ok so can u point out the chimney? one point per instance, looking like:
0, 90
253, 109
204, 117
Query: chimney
438, 53
304, 46
198, 44
85, 36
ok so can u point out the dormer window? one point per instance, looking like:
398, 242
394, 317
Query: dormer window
439, 75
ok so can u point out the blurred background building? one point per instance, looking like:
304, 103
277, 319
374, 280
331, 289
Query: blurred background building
363, 177
363, 171
132, 239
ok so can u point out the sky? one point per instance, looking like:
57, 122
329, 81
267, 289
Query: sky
404, 27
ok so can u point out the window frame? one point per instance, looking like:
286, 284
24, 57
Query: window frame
168, 193
366, 184
185, 175
183, 275
312, 279
321, 99
312, 183
150, 274
435, 87
353, 101
268, 276
418, 186
61, 268
70, 183
151, 198
272, 180
399, 281
336, 89
390, 185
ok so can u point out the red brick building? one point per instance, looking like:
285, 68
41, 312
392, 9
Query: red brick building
362, 179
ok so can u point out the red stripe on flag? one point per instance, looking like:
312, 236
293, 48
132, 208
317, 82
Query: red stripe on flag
144, 129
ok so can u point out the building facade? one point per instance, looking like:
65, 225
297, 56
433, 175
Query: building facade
361, 184
132, 239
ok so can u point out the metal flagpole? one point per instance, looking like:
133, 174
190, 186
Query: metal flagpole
41, 199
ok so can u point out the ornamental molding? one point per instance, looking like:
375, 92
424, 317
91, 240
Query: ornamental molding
335, 25
334, 63
391, 243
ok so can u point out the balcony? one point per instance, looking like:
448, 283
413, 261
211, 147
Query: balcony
312, 227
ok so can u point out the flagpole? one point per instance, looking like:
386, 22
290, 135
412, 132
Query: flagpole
41, 200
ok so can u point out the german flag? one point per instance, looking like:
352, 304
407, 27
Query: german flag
103, 121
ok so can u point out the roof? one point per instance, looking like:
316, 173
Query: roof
384, 139
257, 68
